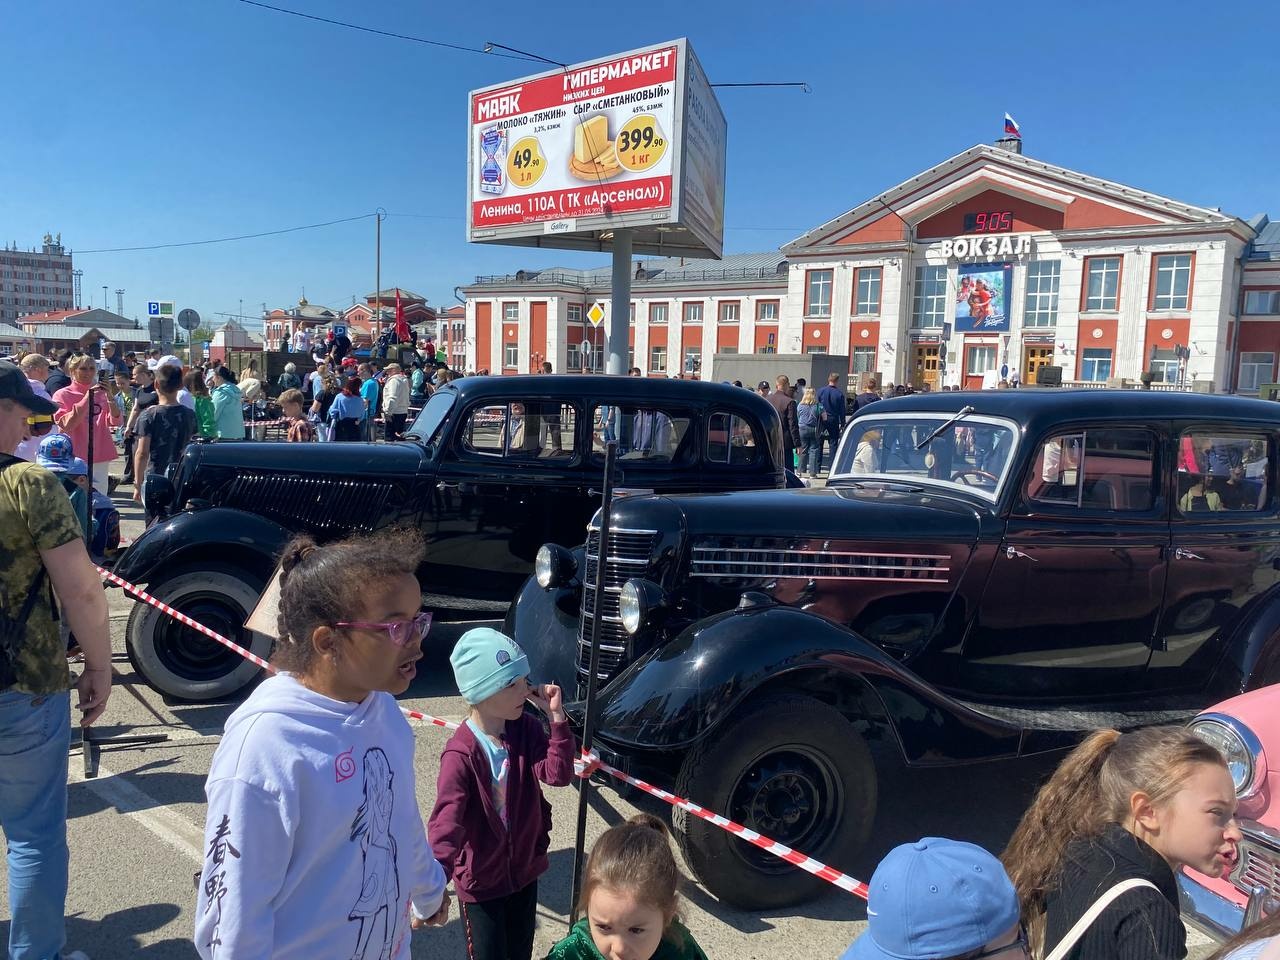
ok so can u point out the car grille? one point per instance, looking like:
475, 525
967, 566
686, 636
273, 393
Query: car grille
629, 555
772, 562
314, 503
1258, 865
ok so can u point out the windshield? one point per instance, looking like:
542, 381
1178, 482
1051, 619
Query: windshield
428, 422
974, 453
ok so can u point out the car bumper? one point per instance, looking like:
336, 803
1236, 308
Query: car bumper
1209, 911
1251, 892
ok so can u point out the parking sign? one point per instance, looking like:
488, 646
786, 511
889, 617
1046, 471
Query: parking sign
153, 308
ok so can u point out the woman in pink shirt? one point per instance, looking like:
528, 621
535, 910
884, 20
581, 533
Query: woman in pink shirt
73, 417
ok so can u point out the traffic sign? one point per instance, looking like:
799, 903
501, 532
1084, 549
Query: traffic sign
596, 314
153, 308
160, 308
339, 330
188, 319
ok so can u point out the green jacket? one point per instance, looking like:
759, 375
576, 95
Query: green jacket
205, 419
678, 944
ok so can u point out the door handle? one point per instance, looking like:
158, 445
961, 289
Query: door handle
1011, 552
446, 485
1180, 554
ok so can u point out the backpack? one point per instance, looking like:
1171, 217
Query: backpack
289, 381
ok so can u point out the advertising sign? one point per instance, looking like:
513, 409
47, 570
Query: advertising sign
635, 140
982, 297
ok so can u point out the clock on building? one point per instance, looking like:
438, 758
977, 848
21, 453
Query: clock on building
989, 221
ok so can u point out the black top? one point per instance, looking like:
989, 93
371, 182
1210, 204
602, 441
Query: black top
56, 381
170, 429
1141, 925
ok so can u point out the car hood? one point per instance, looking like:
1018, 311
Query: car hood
878, 513
331, 459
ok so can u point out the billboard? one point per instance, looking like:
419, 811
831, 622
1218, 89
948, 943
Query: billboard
636, 140
982, 297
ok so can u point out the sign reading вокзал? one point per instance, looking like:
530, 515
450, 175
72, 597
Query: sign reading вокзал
634, 141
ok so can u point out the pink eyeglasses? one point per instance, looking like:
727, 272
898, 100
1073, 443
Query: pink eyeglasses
400, 632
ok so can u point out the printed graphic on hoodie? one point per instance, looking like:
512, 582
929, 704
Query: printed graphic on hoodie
377, 905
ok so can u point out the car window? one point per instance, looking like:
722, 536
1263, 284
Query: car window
732, 439
652, 434
1095, 469
427, 424
521, 430
1219, 472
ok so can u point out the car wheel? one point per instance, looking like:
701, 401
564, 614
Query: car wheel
183, 663
790, 768
1194, 613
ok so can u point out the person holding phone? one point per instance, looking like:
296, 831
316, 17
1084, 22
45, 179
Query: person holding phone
73, 417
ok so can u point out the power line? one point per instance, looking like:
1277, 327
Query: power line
382, 33
247, 236
789, 83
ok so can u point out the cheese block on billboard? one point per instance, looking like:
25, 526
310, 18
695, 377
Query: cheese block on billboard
634, 141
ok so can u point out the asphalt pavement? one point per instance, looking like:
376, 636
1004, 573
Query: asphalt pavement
135, 830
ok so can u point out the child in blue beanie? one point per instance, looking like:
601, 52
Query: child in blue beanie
491, 826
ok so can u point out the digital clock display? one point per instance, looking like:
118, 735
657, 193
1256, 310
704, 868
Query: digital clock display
991, 221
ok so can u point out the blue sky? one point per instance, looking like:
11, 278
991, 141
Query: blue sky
137, 122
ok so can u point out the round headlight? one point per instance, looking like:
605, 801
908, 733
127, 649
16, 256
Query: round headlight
542, 570
553, 566
631, 607
1239, 745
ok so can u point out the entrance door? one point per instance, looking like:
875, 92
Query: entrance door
924, 366
978, 359
1033, 359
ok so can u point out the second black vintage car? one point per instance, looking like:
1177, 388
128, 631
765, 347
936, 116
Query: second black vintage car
984, 575
492, 468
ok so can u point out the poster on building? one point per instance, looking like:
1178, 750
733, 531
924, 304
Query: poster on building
564, 159
982, 297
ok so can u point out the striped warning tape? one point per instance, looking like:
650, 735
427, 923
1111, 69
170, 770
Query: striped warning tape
587, 764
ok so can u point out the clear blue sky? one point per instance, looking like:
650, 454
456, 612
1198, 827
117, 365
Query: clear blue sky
148, 121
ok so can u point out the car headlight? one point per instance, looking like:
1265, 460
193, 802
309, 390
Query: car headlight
641, 604
1246, 760
554, 566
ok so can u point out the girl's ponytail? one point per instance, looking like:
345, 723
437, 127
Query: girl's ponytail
1070, 806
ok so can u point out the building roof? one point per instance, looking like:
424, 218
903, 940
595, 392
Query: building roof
738, 266
9, 332
390, 294
1267, 244
62, 331
54, 316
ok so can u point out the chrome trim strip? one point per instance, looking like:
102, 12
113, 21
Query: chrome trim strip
1208, 911
808, 564
828, 553
812, 575
595, 528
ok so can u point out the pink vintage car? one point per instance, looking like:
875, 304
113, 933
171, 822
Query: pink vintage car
1242, 728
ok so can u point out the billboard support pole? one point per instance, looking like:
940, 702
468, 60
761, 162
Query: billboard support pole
620, 306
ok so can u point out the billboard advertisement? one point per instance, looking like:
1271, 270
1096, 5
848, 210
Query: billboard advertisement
636, 140
982, 297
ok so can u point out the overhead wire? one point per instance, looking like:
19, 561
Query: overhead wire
246, 236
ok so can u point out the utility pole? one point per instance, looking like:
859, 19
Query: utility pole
377, 282
120, 301
104, 296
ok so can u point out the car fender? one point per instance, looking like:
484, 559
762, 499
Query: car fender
1252, 657
682, 690
544, 622
197, 535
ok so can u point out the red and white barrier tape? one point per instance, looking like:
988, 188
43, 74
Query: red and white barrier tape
584, 766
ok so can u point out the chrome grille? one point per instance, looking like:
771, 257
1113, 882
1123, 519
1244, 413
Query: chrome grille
1258, 865
315, 503
629, 555
772, 562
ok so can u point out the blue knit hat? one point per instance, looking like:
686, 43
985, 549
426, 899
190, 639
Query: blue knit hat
486, 661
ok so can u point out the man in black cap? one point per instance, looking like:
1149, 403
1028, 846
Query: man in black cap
41, 547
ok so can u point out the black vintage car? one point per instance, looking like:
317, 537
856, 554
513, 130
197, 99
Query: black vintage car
493, 468
985, 575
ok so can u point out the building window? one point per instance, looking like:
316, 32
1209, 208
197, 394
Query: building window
658, 359
979, 360
1095, 364
1103, 283
633, 313
929, 302
767, 311
657, 313
574, 313
573, 357
1265, 302
511, 311
1255, 370
693, 313
1164, 366
817, 300
863, 360
511, 355
1041, 308
815, 349
866, 300
1172, 287
692, 359
729, 311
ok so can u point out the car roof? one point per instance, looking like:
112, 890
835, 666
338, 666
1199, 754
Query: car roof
1041, 407
625, 389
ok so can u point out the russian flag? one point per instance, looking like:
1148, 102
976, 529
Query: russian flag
1011, 127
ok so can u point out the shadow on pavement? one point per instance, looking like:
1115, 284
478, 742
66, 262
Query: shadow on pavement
120, 934
155, 784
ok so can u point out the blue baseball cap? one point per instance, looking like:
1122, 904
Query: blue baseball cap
55, 453
935, 898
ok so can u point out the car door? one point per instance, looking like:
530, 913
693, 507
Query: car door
735, 455
1073, 597
657, 447
1225, 543
506, 484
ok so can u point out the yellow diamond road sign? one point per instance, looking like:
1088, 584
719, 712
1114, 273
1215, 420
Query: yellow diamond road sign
596, 314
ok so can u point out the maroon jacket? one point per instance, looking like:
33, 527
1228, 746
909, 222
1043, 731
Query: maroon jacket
484, 860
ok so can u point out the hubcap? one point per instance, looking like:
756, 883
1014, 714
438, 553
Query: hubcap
792, 796
190, 654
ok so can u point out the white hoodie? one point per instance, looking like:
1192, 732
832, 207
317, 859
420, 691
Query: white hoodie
314, 845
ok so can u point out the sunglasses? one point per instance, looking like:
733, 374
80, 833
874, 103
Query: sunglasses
400, 632
1022, 944
40, 425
